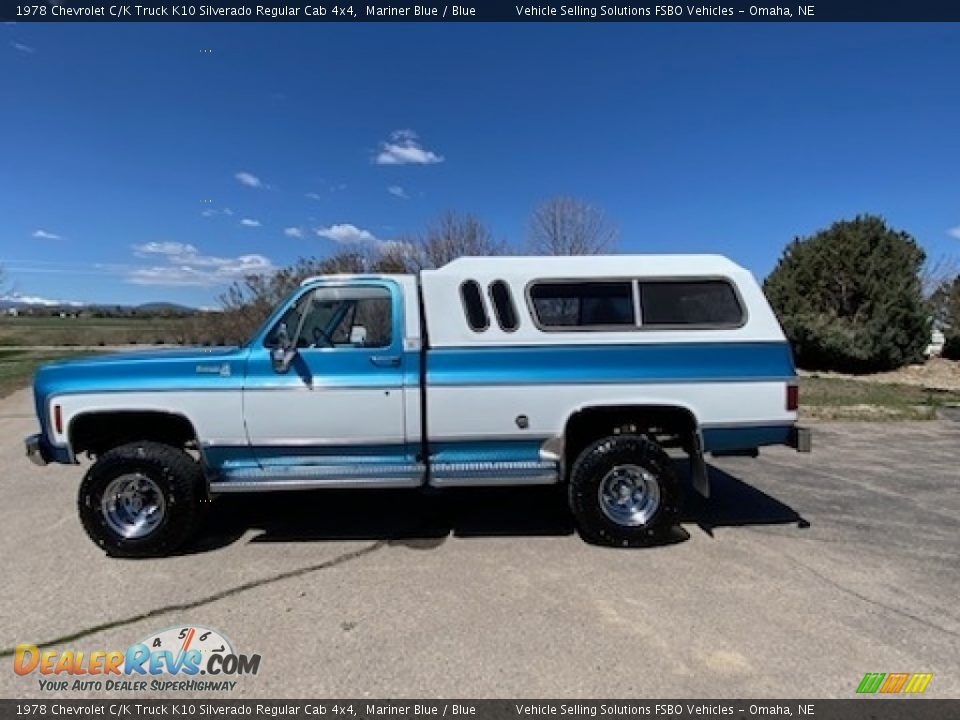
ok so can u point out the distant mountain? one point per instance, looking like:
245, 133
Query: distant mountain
161, 307
24, 302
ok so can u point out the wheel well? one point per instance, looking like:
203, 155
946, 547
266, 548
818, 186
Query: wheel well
671, 426
97, 432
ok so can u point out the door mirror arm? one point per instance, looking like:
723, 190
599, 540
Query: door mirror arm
282, 356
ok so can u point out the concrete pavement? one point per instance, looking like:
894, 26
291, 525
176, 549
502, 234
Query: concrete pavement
802, 574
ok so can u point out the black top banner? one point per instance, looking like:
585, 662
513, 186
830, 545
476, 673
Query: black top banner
479, 11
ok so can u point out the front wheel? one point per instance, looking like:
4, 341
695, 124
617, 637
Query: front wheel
624, 492
140, 499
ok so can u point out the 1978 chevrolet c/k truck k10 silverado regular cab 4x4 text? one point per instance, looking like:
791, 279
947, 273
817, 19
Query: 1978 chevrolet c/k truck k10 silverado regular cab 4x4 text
487, 371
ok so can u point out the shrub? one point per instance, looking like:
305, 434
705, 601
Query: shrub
849, 297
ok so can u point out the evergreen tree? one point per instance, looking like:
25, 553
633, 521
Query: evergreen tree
849, 297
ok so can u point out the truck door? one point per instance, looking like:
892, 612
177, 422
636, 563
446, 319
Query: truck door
340, 405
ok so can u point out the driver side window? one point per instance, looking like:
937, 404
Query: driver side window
356, 317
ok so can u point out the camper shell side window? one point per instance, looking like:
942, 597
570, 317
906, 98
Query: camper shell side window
708, 303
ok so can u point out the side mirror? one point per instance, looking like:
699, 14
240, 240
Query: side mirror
283, 354
281, 359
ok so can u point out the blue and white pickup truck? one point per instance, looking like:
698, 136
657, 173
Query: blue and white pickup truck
487, 371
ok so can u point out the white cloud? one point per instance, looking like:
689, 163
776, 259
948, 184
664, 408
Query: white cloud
314, 196
293, 232
398, 191
249, 222
404, 148
31, 300
173, 249
249, 179
184, 265
347, 234
44, 235
213, 212
954, 232
24, 49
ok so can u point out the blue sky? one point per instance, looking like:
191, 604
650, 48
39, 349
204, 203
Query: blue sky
728, 138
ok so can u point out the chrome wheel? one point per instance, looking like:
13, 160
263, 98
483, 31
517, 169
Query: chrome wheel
133, 505
629, 495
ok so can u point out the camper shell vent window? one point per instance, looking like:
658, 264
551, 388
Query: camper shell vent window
503, 306
473, 307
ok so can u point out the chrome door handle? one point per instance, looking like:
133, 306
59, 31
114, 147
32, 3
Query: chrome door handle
385, 360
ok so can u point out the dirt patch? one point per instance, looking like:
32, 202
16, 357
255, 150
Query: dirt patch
936, 374
866, 412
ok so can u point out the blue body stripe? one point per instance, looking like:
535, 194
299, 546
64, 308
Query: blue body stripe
472, 451
637, 363
745, 438
464, 451
486, 450
281, 455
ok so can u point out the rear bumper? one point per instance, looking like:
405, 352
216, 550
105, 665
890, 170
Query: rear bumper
801, 439
38, 450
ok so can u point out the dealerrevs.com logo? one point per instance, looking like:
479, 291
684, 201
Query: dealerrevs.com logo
192, 658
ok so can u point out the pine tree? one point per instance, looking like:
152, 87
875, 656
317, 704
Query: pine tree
849, 297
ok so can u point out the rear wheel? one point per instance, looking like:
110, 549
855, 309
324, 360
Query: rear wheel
141, 499
623, 491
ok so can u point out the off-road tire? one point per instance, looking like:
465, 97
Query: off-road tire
179, 478
588, 471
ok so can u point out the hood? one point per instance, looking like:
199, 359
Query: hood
148, 355
143, 371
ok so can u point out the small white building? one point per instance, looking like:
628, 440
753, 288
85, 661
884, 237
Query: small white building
935, 348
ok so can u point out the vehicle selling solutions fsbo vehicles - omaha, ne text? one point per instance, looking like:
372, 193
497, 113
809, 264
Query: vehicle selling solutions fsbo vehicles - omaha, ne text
487, 371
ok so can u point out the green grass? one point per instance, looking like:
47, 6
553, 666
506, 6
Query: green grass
843, 399
17, 366
89, 331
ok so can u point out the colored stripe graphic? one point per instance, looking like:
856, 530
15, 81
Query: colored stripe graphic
871, 682
918, 682
894, 682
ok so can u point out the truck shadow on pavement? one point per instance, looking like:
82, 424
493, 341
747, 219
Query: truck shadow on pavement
424, 519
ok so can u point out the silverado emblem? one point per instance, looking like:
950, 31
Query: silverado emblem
221, 370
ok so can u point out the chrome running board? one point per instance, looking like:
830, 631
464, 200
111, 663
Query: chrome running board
363, 475
316, 477
488, 474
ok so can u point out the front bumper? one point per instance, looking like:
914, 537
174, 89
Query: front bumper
801, 439
37, 449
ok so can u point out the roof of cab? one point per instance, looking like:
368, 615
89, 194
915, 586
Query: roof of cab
352, 276
592, 265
